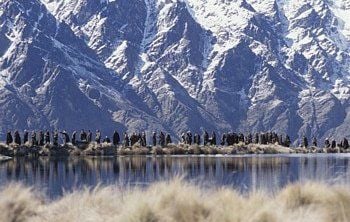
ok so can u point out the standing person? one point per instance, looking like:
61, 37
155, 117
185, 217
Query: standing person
249, 139
25, 137
143, 139
17, 138
223, 139
183, 138
41, 138
280, 140
305, 143
9, 138
213, 138
198, 139
189, 138
47, 137
345, 143
154, 139
327, 143
83, 136
161, 139
89, 136
229, 139
126, 140
55, 138
74, 138
314, 141
66, 137
334, 144
205, 138
34, 141
256, 138
287, 142
167, 139
195, 138
116, 138
98, 136
133, 139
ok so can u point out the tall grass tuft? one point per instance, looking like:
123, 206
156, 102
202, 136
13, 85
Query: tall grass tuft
177, 200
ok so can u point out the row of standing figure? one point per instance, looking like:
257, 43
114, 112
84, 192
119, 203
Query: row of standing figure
188, 138
44, 137
41, 138
234, 138
162, 139
344, 143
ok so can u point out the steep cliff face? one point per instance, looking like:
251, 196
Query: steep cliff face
50, 78
245, 65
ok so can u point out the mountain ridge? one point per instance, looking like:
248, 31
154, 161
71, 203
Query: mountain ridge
246, 65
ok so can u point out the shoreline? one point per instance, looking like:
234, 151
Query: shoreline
106, 149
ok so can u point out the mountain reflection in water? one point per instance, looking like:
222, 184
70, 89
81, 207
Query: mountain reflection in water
244, 173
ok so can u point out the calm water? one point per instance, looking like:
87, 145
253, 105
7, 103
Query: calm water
244, 173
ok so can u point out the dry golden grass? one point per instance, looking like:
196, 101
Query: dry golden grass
108, 149
178, 201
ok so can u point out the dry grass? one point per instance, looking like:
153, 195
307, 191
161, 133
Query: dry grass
178, 201
108, 149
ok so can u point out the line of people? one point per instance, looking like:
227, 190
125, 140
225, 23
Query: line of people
231, 138
344, 143
42, 138
46, 137
227, 139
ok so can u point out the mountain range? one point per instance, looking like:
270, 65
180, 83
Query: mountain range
176, 65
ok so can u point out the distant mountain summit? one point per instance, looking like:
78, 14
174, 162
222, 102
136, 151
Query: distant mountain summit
239, 65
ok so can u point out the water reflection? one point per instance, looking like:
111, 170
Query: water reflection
247, 173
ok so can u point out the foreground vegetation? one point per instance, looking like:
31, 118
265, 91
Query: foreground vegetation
107, 149
178, 201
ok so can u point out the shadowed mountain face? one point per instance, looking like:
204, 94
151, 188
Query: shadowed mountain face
176, 65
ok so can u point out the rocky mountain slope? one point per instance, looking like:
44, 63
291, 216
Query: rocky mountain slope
174, 65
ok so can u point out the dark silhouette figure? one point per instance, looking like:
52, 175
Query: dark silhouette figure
55, 138
9, 138
41, 138
305, 143
287, 142
213, 139
126, 140
66, 137
345, 143
334, 144
34, 141
167, 139
154, 139
89, 136
83, 136
25, 137
47, 137
116, 138
17, 138
205, 138
314, 141
98, 136
161, 139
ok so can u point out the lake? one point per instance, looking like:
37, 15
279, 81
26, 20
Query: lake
245, 173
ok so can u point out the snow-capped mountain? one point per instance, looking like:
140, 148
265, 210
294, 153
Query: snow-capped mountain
175, 65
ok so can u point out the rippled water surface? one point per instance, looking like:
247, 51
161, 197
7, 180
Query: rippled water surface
244, 173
